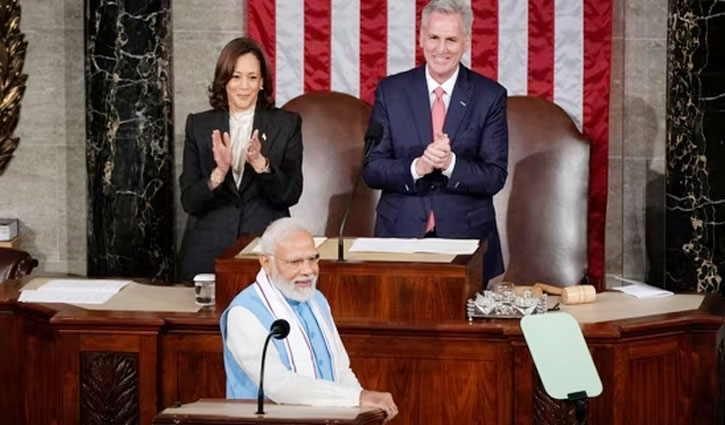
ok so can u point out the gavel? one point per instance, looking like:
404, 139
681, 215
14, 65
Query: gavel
577, 294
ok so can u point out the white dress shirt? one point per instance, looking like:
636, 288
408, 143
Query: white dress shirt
240, 131
447, 87
245, 338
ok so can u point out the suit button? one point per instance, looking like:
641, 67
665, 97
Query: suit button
432, 187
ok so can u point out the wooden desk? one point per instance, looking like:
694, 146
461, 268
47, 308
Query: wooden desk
66, 365
399, 291
243, 412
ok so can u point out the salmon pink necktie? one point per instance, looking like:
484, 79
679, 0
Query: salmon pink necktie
438, 116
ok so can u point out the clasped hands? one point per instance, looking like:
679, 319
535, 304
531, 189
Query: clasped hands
222, 149
437, 155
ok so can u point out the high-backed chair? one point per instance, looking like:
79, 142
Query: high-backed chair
542, 209
15, 264
333, 129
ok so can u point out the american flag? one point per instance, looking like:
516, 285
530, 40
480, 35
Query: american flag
555, 49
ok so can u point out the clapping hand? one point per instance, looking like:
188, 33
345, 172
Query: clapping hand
437, 155
222, 150
254, 153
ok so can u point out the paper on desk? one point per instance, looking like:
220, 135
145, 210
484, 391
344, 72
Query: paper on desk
319, 240
73, 291
409, 246
81, 297
641, 290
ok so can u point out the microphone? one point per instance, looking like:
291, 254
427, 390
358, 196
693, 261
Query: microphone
278, 330
372, 138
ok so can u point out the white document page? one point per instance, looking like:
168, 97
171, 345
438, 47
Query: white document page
93, 285
409, 246
79, 297
74, 291
641, 290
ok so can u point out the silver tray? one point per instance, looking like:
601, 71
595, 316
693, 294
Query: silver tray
506, 306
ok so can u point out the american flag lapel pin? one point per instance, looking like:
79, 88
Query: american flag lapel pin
463, 103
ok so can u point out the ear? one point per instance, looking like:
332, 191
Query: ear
468, 43
266, 262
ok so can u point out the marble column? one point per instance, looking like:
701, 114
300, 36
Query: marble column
129, 138
695, 230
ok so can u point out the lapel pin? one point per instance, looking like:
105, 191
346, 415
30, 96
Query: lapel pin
264, 136
463, 103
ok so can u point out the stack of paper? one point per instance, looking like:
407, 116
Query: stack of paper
73, 291
641, 290
409, 246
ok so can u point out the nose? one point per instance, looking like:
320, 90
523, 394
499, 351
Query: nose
307, 267
440, 46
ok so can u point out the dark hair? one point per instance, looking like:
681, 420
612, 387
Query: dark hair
225, 69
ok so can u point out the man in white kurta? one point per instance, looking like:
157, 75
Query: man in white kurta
311, 365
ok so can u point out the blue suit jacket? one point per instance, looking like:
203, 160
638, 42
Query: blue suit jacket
476, 125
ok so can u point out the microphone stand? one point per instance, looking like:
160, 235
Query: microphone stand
278, 330
372, 138
340, 240
260, 393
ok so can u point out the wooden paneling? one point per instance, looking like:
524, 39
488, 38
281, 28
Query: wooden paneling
11, 395
655, 383
39, 365
659, 369
421, 371
193, 368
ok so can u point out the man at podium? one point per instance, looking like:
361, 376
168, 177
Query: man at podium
311, 365
444, 149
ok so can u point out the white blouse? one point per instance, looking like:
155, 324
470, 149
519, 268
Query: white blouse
240, 131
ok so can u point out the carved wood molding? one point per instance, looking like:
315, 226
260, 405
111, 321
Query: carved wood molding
12, 80
548, 411
109, 389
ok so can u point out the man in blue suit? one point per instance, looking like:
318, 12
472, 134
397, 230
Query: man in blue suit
444, 149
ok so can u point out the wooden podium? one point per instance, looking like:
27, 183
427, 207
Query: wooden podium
402, 288
242, 412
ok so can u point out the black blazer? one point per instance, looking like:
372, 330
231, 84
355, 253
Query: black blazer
218, 217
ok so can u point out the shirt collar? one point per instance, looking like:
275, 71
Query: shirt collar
447, 85
245, 115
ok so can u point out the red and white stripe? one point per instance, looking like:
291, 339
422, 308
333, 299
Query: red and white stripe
555, 49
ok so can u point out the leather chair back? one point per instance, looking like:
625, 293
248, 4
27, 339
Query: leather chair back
15, 264
333, 129
542, 209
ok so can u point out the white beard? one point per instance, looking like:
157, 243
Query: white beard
290, 290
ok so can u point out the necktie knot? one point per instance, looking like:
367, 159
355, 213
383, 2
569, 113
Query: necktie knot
439, 92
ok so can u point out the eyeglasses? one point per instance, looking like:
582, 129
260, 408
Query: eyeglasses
298, 262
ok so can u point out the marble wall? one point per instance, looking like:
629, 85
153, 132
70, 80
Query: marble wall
695, 148
129, 146
635, 207
45, 183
